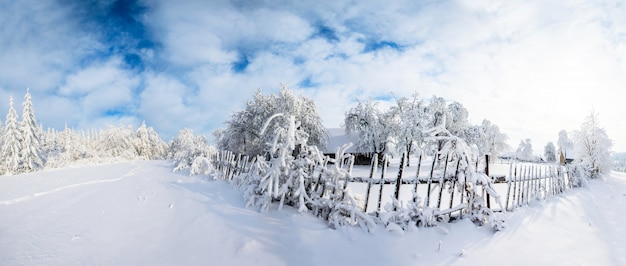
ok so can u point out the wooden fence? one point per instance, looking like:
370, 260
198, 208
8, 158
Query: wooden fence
433, 182
533, 182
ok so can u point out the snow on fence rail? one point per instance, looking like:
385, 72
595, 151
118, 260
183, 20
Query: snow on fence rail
433, 184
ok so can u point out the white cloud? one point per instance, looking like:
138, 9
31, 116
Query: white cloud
101, 88
533, 68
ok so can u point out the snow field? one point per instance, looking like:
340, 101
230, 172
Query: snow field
140, 213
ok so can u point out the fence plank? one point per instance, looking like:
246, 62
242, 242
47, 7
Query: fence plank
399, 179
417, 173
382, 185
442, 183
369, 184
430, 178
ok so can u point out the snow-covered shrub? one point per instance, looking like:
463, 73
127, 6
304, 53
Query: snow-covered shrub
283, 175
294, 173
468, 181
201, 166
184, 149
407, 217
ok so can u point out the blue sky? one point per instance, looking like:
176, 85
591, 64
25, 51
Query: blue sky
531, 67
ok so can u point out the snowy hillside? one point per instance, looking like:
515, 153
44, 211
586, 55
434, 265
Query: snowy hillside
140, 213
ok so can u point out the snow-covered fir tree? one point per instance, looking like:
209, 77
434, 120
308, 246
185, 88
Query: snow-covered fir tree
11, 143
593, 148
31, 134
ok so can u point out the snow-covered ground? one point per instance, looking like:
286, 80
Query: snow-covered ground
139, 213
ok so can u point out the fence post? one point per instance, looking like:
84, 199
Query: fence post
442, 181
417, 174
345, 182
430, 178
527, 173
369, 184
382, 181
508, 191
487, 173
513, 200
399, 179
519, 185
454, 181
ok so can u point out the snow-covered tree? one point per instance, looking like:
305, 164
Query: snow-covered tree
187, 148
148, 145
437, 110
593, 147
242, 132
374, 126
457, 120
118, 142
487, 138
524, 151
11, 143
564, 143
31, 134
412, 119
549, 152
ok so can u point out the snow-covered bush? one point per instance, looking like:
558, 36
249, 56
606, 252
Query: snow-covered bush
186, 148
294, 173
469, 181
201, 166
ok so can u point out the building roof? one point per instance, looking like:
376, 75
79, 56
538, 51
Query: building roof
337, 137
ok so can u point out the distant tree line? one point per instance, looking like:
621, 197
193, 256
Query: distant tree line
26, 147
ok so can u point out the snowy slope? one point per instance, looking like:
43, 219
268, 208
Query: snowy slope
139, 213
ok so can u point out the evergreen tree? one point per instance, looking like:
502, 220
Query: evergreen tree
31, 134
12, 144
